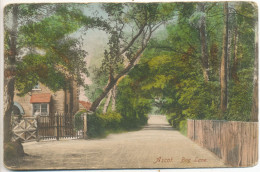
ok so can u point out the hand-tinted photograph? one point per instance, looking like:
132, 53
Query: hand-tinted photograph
130, 85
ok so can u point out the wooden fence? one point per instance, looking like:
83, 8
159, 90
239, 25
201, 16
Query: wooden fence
235, 142
24, 129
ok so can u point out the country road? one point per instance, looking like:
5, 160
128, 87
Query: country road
157, 145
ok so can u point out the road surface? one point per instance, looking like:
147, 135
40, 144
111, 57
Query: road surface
157, 145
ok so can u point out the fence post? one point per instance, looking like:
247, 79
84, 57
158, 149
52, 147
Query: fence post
25, 127
57, 126
85, 127
194, 130
37, 128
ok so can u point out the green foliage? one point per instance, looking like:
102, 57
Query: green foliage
35, 68
175, 119
183, 127
240, 102
169, 75
95, 126
131, 103
45, 33
44, 37
100, 125
96, 88
52, 57
112, 120
174, 76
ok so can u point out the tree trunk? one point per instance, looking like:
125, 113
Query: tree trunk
107, 102
229, 54
203, 42
9, 75
132, 63
234, 75
223, 67
254, 111
8, 105
113, 82
114, 98
71, 96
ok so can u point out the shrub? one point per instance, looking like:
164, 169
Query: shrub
183, 127
112, 120
95, 126
174, 119
98, 124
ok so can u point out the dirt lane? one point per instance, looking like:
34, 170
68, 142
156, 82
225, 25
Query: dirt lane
155, 146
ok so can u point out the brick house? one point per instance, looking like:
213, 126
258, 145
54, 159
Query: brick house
41, 100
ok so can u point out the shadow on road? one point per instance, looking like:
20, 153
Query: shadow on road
158, 127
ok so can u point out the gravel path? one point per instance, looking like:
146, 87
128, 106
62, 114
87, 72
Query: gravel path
155, 146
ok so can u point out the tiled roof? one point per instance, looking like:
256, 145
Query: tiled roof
86, 105
41, 98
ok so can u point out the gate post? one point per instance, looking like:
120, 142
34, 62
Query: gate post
37, 128
85, 126
57, 126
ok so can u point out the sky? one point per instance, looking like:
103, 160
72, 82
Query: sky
94, 43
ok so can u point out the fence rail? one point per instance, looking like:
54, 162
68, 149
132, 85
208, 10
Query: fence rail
235, 142
24, 129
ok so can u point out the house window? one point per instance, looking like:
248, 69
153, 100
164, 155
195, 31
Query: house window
36, 87
41, 109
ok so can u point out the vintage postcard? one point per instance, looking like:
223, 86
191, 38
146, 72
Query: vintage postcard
130, 85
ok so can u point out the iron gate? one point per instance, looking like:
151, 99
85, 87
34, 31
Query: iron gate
60, 126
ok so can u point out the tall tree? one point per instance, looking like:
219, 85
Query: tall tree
146, 19
233, 70
9, 74
203, 42
223, 67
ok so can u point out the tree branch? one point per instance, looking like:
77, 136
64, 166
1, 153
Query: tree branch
133, 40
111, 84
